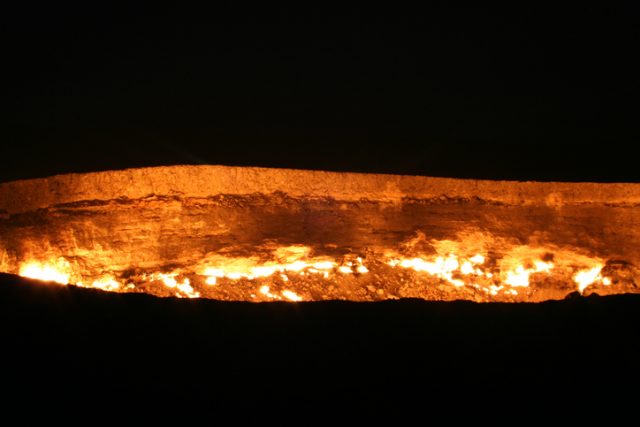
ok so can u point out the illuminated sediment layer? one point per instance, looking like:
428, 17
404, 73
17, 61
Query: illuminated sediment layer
271, 234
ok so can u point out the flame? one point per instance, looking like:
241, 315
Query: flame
58, 271
249, 268
362, 269
277, 275
447, 268
106, 283
520, 276
441, 267
291, 296
493, 289
289, 259
585, 278
266, 291
477, 259
183, 287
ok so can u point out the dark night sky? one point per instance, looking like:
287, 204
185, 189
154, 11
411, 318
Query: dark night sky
519, 93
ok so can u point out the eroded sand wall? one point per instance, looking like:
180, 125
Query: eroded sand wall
205, 181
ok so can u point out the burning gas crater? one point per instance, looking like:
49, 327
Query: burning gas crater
294, 274
254, 234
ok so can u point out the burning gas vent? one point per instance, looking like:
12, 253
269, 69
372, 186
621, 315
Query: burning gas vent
253, 234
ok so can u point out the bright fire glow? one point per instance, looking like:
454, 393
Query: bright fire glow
291, 259
183, 287
477, 259
266, 291
586, 278
105, 283
520, 276
266, 277
291, 296
441, 267
53, 271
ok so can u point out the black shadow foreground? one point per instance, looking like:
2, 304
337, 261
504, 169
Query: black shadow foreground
72, 346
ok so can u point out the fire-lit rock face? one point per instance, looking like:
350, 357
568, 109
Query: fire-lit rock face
255, 234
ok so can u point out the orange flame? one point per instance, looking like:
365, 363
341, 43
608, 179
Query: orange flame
57, 270
277, 278
586, 278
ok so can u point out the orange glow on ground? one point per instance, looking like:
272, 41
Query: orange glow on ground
291, 264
